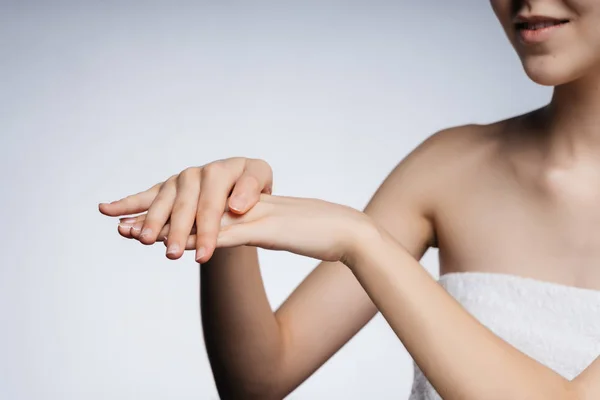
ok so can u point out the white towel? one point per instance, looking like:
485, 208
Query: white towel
557, 325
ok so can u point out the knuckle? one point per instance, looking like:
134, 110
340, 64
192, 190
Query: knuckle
172, 178
236, 159
263, 165
251, 182
213, 170
169, 183
188, 173
236, 163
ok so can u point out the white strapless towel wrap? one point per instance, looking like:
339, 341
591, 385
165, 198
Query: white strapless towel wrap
555, 324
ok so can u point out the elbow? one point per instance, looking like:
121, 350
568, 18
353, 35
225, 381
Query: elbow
236, 390
263, 387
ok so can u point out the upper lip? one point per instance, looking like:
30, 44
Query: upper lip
519, 19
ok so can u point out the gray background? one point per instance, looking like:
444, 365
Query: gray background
102, 99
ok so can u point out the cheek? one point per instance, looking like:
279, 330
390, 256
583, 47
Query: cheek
584, 51
590, 30
582, 7
503, 11
587, 17
499, 4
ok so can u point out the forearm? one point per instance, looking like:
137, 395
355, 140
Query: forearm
460, 357
241, 333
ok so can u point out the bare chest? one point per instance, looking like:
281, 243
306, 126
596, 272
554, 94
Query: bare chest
549, 230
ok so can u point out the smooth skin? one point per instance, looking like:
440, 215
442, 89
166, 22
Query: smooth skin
518, 196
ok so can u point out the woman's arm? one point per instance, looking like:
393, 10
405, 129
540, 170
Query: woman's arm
461, 358
588, 382
257, 353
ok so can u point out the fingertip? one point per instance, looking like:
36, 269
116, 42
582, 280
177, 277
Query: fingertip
145, 235
102, 208
124, 231
109, 209
173, 251
236, 211
136, 230
200, 254
238, 204
173, 256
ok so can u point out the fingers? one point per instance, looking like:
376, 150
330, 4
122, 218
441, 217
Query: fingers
223, 240
158, 213
131, 228
126, 224
190, 206
183, 212
190, 243
164, 234
256, 179
215, 185
132, 204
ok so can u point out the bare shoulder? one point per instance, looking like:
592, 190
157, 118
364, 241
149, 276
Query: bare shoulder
456, 143
433, 173
468, 145
443, 157
407, 201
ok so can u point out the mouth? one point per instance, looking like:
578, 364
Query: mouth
537, 29
534, 24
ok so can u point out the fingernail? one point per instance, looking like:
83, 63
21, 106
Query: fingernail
237, 203
173, 248
136, 229
200, 253
127, 222
146, 232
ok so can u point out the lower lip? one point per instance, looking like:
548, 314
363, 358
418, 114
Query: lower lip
530, 36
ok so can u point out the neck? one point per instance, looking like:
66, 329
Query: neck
572, 122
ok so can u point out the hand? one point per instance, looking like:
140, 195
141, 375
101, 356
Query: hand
309, 227
197, 195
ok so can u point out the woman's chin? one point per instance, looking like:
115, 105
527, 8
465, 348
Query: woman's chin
550, 73
544, 77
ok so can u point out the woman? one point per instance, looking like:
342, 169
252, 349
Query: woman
512, 206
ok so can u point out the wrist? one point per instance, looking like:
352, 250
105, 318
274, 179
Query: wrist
365, 234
